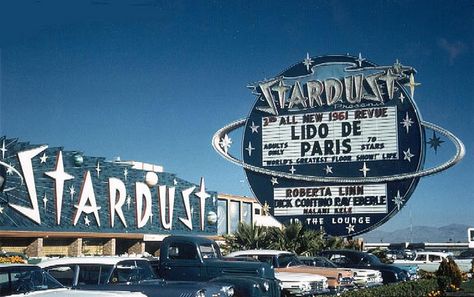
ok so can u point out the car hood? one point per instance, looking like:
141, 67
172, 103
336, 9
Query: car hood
324, 271
64, 292
286, 276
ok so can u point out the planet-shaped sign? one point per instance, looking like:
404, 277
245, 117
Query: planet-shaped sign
335, 142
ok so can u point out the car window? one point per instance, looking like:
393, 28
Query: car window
64, 274
208, 251
340, 259
182, 251
145, 270
124, 272
89, 275
420, 258
287, 260
5, 288
434, 258
266, 259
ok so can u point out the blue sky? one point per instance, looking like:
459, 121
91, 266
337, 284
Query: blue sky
153, 80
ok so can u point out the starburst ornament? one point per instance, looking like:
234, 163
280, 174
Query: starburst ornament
307, 62
407, 122
225, 143
435, 142
398, 200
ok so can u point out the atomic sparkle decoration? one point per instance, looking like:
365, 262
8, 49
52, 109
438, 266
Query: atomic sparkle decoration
336, 142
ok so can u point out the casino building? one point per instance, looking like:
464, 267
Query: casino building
63, 203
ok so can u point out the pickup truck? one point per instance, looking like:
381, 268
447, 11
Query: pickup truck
429, 261
199, 259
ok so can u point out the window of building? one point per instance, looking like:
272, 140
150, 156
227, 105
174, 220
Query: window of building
222, 217
247, 213
234, 216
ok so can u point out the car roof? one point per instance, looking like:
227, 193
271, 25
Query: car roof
16, 264
107, 260
260, 253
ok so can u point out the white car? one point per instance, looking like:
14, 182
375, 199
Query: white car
302, 284
126, 274
31, 280
429, 261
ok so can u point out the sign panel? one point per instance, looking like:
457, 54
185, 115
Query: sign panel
50, 189
323, 131
336, 143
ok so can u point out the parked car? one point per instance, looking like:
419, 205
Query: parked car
199, 258
295, 284
126, 274
466, 254
339, 279
357, 259
429, 261
31, 280
363, 278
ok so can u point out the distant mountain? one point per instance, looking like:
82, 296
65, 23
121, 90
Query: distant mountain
449, 233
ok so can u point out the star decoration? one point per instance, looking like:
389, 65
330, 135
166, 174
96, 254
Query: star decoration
3, 149
87, 221
307, 62
274, 181
435, 142
407, 122
43, 158
401, 97
225, 143
175, 182
389, 79
292, 169
398, 200
72, 191
1, 209
125, 173
10, 169
281, 89
45, 200
360, 60
254, 128
266, 209
397, 67
328, 169
350, 228
202, 200
408, 155
249, 149
151, 218
412, 84
364, 169
97, 169
129, 201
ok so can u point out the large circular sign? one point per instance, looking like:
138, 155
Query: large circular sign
335, 142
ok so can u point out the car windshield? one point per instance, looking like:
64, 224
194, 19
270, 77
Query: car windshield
27, 279
371, 259
323, 262
287, 260
209, 251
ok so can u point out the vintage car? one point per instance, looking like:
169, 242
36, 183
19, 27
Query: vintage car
363, 278
429, 261
357, 259
31, 280
199, 258
126, 274
339, 279
295, 284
